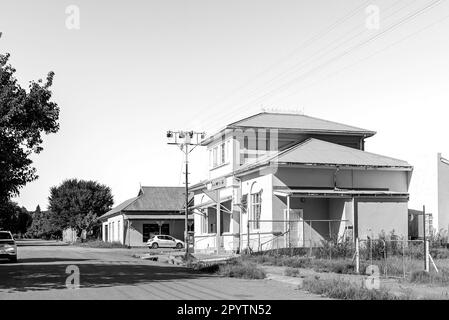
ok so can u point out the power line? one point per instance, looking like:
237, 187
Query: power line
306, 62
346, 52
303, 45
372, 55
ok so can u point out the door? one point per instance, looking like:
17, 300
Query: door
296, 228
170, 242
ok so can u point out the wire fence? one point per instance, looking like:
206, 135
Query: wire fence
333, 240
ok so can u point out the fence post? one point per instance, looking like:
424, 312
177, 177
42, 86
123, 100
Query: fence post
357, 256
310, 238
426, 257
260, 248
403, 258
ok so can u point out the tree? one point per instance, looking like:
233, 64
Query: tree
24, 117
42, 225
14, 218
78, 204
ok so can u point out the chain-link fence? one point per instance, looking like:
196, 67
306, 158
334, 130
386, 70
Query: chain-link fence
333, 240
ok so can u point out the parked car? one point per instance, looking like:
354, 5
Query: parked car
8, 247
164, 241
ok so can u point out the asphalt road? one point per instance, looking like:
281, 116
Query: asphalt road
115, 274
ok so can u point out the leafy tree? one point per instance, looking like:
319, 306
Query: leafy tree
78, 204
24, 117
42, 225
14, 218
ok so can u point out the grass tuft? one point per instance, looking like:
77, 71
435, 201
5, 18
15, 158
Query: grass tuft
241, 269
292, 272
346, 290
100, 244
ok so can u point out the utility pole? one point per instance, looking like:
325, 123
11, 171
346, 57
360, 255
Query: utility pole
184, 139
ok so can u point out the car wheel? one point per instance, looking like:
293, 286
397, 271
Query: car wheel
179, 246
13, 260
154, 246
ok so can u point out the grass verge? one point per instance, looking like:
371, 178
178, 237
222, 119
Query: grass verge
236, 268
347, 290
99, 244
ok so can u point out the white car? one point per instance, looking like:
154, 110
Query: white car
8, 247
164, 241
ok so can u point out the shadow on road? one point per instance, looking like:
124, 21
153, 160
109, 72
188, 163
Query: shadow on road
20, 278
48, 259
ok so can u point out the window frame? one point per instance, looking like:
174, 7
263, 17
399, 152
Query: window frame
256, 209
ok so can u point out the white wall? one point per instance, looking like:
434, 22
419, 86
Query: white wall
115, 227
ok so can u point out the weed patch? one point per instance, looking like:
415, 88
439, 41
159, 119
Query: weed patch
346, 290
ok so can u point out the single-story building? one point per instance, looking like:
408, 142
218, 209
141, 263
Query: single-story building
155, 210
289, 180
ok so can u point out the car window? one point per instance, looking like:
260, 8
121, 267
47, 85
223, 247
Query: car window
164, 238
5, 236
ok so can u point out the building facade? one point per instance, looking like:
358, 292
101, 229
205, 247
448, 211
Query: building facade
289, 180
155, 210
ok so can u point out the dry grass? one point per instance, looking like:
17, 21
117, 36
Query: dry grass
100, 244
423, 277
291, 272
346, 290
241, 269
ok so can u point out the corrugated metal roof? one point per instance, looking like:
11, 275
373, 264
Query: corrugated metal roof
322, 152
297, 122
118, 208
315, 151
159, 199
155, 199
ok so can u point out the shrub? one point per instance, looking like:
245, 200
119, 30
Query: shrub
292, 272
241, 269
343, 289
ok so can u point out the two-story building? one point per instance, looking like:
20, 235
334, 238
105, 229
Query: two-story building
279, 180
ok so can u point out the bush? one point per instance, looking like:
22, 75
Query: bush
343, 289
292, 272
241, 269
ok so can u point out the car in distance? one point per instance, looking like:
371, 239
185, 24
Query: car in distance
164, 241
8, 247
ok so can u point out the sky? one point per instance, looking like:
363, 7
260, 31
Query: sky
135, 69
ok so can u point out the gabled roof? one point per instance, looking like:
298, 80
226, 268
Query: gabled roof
318, 152
296, 121
153, 199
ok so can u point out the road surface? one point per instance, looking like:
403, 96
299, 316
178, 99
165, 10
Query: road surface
115, 274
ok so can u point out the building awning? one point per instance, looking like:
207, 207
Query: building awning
324, 193
157, 217
210, 203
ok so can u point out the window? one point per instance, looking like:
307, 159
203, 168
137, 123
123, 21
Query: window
219, 155
223, 153
256, 209
204, 223
215, 157
112, 228
118, 230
